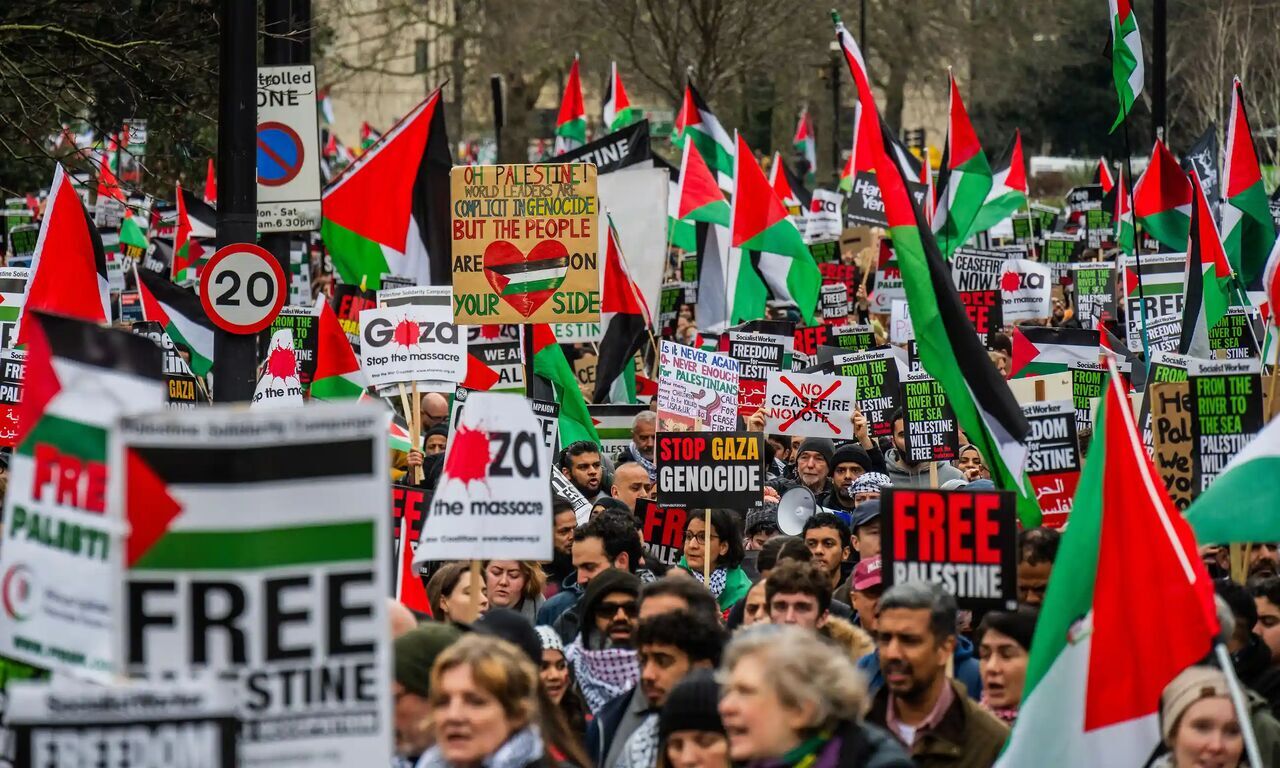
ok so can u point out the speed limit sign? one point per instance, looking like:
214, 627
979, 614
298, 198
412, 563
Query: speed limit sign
242, 288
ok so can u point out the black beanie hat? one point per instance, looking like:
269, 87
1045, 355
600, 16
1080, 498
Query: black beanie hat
416, 652
693, 705
513, 627
820, 444
851, 452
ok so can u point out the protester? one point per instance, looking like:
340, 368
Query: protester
787, 701
515, 584
762, 525
669, 646
1250, 656
848, 463
435, 409
632, 481
1037, 549
722, 544
560, 572
781, 463
677, 593
1266, 599
399, 617
609, 504
908, 474
690, 732
813, 470
484, 703
436, 440
644, 438
452, 595
1198, 722
865, 590
931, 714
781, 548
868, 487
608, 541
799, 594
969, 462
602, 655
755, 607
580, 462
1004, 648
865, 534
1264, 560
557, 681
828, 538
414, 653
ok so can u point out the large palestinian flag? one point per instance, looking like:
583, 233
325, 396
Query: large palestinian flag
388, 212
964, 179
1039, 350
1127, 68
1086, 701
571, 124
1162, 200
867, 143
1248, 231
69, 269
1008, 187
1208, 279
338, 374
698, 197
182, 316
549, 363
696, 123
1216, 514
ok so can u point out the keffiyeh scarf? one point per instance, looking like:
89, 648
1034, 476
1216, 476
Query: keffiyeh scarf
602, 674
639, 458
641, 749
718, 578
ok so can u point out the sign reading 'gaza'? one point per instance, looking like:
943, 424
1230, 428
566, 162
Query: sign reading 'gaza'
710, 469
412, 342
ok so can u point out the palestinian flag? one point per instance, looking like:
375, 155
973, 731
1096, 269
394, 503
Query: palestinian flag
338, 375
1126, 238
625, 318
1208, 279
368, 136
762, 225
780, 180
69, 268
210, 184
698, 197
613, 424
867, 142
571, 124
188, 254
1102, 176
1162, 200
1127, 70
203, 217
618, 112
549, 363
527, 284
108, 184
1086, 702
131, 234
948, 345
963, 181
398, 435
1216, 515
697, 124
806, 143
388, 212
181, 315
680, 233
1008, 187
1039, 350
1249, 232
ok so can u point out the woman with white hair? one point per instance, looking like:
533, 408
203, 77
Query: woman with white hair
789, 701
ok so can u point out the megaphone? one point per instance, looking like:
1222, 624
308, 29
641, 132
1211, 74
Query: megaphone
794, 508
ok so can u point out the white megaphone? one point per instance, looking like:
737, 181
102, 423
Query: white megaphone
794, 508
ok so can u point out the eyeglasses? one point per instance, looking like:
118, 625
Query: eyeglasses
609, 610
698, 536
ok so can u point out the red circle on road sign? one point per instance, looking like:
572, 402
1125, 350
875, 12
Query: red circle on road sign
280, 153
232, 287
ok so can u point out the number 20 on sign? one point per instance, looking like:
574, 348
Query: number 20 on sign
242, 288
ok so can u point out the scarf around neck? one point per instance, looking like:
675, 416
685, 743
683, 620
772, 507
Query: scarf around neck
639, 458
602, 674
719, 577
521, 748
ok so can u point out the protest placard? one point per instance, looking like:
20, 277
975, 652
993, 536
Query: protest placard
662, 527
417, 295
1165, 367
901, 329
1087, 382
184, 389
501, 355
1162, 285
348, 301
876, 372
1226, 412
584, 369
574, 333
835, 303
547, 414
178, 725
1025, 288
411, 342
810, 404
1053, 458
525, 243
1171, 439
864, 205
278, 383
930, 424
807, 339
835, 273
697, 390
409, 505
1235, 336
13, 366
824, 251
273, 528
22, 244
824, 220
1061, 248
889, 287
13, 287
1164, 334
669, 304
1094, 291
1026, 227
304, 324
977, 281
494, 498
853, 338
711, 469
965, 541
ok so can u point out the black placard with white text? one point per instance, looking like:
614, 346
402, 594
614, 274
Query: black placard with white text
711, 469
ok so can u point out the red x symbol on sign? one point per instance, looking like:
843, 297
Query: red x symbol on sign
810, 406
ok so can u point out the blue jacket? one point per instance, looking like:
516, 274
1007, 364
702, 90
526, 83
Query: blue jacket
966, 669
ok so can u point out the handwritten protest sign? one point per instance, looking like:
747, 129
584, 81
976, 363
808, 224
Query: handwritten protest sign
1165, 367
930, 424
1053, 458
1172, 439
1087, 381
525, 243
1226, 412
662, 527
876, 372
810, 404
711, 469
697, 390
966, 541
901, 329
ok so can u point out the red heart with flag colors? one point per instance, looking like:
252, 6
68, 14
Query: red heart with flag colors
525, 281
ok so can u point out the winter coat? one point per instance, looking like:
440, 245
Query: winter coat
918, 476
853, 639
736, 585
967, 736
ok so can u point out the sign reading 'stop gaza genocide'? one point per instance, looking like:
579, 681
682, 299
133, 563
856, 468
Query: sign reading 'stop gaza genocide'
525, 241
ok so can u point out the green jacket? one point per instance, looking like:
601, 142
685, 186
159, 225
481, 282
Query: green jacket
736, 585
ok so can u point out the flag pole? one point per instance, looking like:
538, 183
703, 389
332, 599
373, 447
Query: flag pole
1137, 245
1238, 702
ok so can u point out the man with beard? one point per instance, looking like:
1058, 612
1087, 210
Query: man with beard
560, 574
580, 462
928, 712
1264, 560
608, 540
812, 470
644, 438
849, 462
905, 473
602, 655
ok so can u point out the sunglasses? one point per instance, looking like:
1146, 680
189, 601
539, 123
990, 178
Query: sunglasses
609, 610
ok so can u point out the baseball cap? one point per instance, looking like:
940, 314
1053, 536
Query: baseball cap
866, 573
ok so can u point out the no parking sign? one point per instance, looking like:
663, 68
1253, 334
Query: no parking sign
288, 148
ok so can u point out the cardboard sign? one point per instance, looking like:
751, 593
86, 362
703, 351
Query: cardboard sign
525, 243
1053, 458
876, 372
1025, 288
662, 528
759, 354
835, 303
930, 424
963, 540
1171, 439
711, 469
854, 338
71, 723
901, 329
304, 324
697, 390
412, 342
1095, 291
810, 404
13, 367
348, 301
1226, 413
1087, 383
494, 496
268, 569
